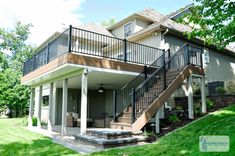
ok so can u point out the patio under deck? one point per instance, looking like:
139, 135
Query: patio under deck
95, 138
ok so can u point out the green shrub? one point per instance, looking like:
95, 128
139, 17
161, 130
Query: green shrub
151, 136
43, 122
220, 90
209, 103
197, 108
25, 121
174, 118
196, 89
230, 87
179, 108
34, 121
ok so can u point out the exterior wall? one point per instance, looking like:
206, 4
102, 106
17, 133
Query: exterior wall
109, 103
118, 32
220, 67
137, 25
153, 41
44, 110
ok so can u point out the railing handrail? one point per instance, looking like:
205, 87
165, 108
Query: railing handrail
146, 80
140, 48
116, 38
45, 45
140, 74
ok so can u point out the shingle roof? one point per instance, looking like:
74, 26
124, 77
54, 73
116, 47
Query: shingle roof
175, 13
151, 14
167, 22
96, 28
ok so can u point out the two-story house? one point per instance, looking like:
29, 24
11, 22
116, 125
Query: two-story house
125, 72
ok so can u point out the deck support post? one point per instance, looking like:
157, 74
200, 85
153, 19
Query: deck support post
39, 107
53, 118
51, 107
84, 102
190, 98
161, 112
203, 95
157, 122
32, 103
64, 106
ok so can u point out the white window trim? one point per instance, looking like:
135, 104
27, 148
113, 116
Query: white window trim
124, 28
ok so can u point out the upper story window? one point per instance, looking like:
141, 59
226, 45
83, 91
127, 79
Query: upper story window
127, 30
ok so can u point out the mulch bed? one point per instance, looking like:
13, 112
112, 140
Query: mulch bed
166, 126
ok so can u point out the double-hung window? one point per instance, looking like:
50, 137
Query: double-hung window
127, 30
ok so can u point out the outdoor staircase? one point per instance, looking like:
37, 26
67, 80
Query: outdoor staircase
147, 96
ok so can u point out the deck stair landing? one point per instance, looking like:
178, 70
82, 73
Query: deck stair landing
107, 138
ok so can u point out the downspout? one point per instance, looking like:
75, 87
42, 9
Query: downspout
163, 39
167, 30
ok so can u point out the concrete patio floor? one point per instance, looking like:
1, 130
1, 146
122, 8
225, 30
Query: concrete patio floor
68, 140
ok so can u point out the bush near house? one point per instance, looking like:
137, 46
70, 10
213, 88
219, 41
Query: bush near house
230, 87
209, 103
221, 90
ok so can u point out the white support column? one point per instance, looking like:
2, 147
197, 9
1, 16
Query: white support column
31, 106
53, 105
64, 106
49, 124
157, 122
39, 107
161, 112
84, 102
190, 98
203, 95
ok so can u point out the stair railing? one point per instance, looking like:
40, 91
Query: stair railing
123, 97
158, 81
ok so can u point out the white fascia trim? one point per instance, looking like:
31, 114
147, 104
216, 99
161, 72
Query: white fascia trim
89, 69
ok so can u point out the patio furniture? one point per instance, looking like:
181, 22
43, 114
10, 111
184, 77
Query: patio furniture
89, 122
72, 119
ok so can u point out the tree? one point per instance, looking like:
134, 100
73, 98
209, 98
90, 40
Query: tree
213, 21
13, 95
109, 22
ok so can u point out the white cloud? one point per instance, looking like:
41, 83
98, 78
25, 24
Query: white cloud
47, 16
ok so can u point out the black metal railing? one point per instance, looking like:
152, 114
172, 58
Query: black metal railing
123, 97
160, 79
91, 43
48, 53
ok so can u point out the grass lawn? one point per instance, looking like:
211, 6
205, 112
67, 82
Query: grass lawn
15, 140
185, 141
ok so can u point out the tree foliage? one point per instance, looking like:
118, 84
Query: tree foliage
13, 95
213, 21
109, 22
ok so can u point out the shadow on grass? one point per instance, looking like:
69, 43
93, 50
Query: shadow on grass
42, 147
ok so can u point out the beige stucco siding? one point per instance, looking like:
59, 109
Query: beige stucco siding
136, 25
221, 67
139, 24
153, 40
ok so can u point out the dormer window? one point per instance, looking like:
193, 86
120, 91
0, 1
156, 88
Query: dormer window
127, 30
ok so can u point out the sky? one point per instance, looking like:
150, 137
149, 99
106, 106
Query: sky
48, 16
